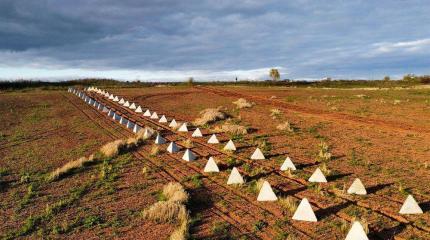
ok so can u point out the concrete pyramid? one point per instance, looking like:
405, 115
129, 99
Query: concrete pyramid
130, 125
183, 128
163, 119
230, 146
304, 212
211, 166
115, 99
147, 133
257, 155
95, 103
100, 107
197, 133
235, 177
154, 115
107, 94
357, 187
288, 164
105, 109
90, 101
159, 139
173, 123
147, 113
266, 193
126, 104
116, 117
410, 206
136, 128
188, 156
122, 101
356, 232
138, 109
111, 97
132, 106
172, 148
123, 121
318, 177
213, 139
110, 113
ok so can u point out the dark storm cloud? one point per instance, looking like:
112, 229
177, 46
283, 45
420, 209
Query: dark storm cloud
305, 38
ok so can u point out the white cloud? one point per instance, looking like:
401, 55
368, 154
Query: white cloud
401, 47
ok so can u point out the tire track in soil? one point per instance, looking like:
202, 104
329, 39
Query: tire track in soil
319, 113
401, 220
165, 173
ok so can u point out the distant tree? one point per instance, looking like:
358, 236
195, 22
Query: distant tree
387, 78
409, 77
274, 74
190, 81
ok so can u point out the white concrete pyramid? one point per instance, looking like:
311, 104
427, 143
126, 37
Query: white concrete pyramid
154, 115
188, 155
116, 117
122, 101
138, 109
213, 139
211, 166
257, 155
115, 99
123, 121
147, 113
163, 119
304, 212
410, 206
147, 133
107, 94
110, 113
356, 232
230, 146
357, 187
111, 97
197, 133
183, 128
136, 128
126, 104
100, 107
105, 109
318, 177
288, 164
266, 193
132, 106
95, 103
173, 123
172, 148
130, 125
235, 177
159, 139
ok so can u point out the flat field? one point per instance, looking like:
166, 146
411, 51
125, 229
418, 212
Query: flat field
381, 136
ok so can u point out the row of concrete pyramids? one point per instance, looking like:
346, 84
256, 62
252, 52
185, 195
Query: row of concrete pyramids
304, 211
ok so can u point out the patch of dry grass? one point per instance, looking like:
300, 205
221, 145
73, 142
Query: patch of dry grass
243, 103
57, 173
232, 128
112, 149
188, 143
289, 204
275, 113
155, 150
171, 211
285, 126
210, 115
175, 192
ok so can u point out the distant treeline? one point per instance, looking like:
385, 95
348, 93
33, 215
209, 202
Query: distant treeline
408, 80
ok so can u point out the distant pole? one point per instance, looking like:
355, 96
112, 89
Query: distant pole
236, 79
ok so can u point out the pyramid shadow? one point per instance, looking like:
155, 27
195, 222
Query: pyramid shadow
274, 155
4, 185
326, 212
338, 176
425, 206
305, 165
242, 147
288, 192
388, 233
376, 188
258, 176
337, 157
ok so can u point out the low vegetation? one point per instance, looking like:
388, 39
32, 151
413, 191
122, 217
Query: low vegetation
243, 103
285, 126
171, 209
232, 128
210, 115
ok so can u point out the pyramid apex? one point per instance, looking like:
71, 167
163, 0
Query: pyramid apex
257, 155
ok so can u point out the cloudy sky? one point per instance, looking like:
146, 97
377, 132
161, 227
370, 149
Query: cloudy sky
213, 39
